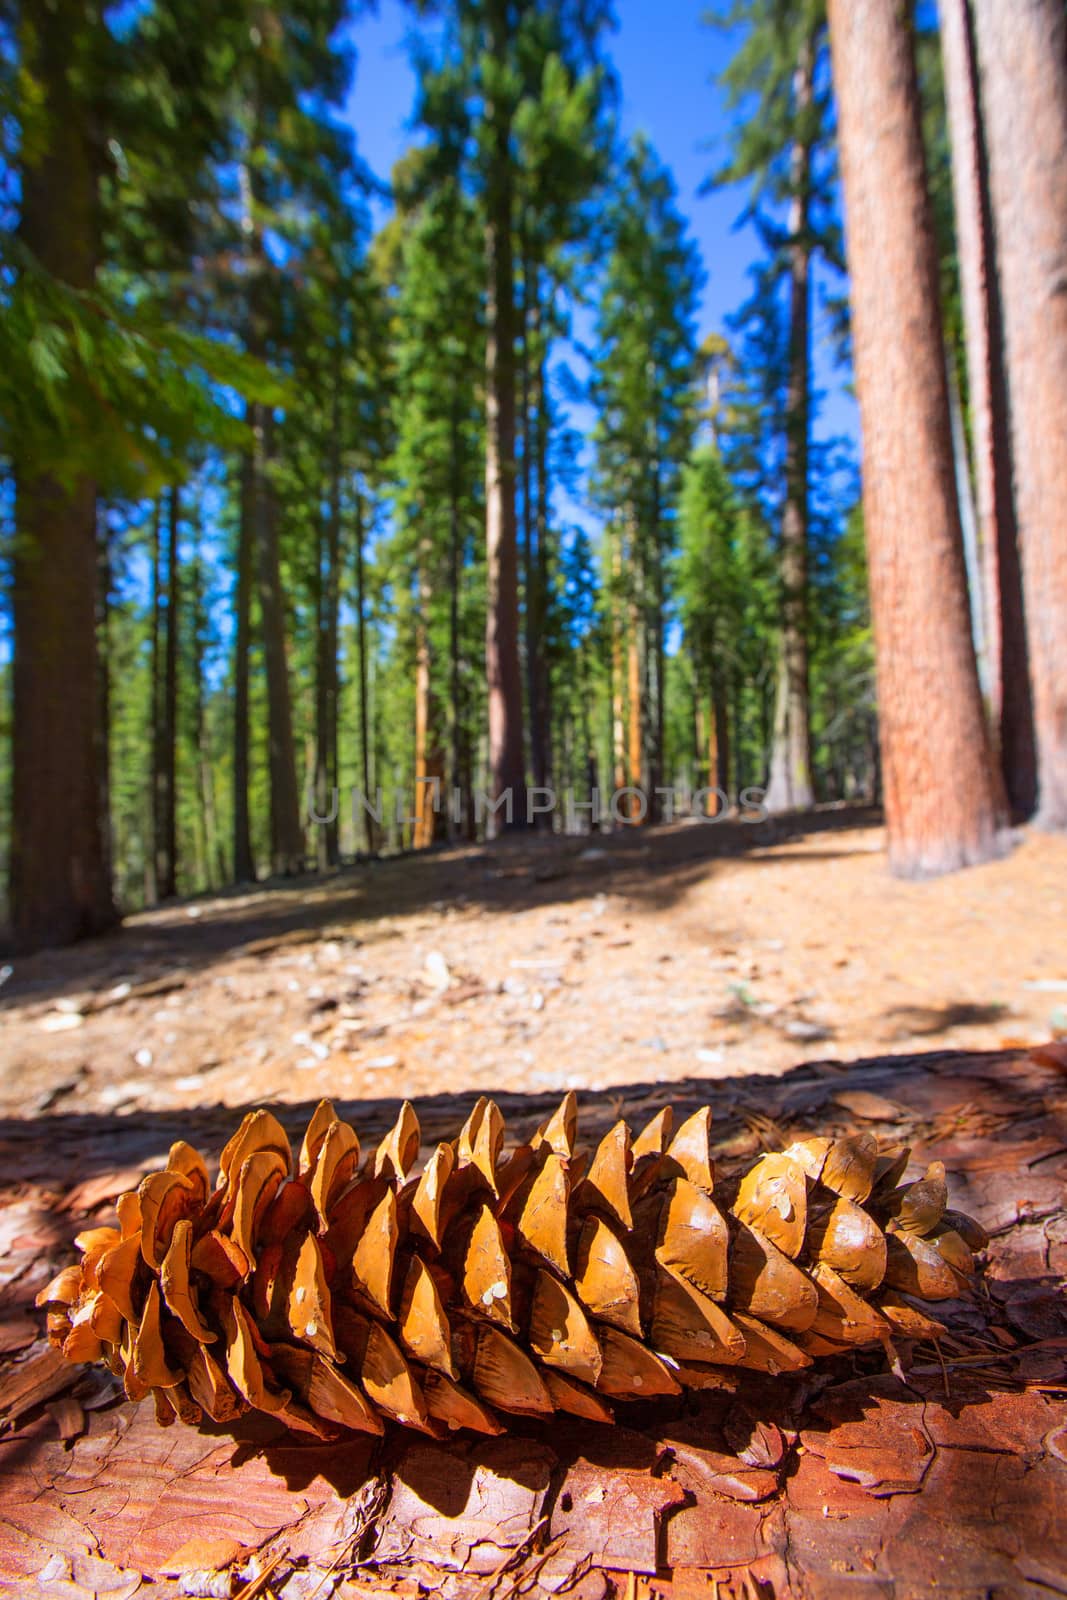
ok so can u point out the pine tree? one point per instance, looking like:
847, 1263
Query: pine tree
1007, 670
643, 387
942, 797
777, 79
1023, 56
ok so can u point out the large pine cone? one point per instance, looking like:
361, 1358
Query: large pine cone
545, 1280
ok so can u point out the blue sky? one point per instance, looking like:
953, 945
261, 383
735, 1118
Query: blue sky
666, 61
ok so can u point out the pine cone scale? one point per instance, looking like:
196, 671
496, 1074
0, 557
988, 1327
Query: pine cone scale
343, 1291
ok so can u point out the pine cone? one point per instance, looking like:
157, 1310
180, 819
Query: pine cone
541, 1281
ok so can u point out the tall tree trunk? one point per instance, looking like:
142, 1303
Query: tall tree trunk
618, 674
361, 651
943, 798
790, 785
214, 862
634, 741
155, 710
503, 673
286, 832
455, 562
60, 881
534, 520
326, 734
244, 867
1007, 666
323, 798
1022, 51
167, 863
103, 676
543, 686
658, 653
429, 756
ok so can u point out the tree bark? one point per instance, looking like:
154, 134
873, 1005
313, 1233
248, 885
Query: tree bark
214, 863
331, 619
1022, 50
155, 709
361, 651
1007, 667
943, 799
658, 653
455, 562
60, 880
244, 867
503, 673
286, 831
429, 755
790, 784
167, 859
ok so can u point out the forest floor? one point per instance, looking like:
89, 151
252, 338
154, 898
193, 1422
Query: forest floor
682, 965
546, 964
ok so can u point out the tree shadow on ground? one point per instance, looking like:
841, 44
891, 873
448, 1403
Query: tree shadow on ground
654, 867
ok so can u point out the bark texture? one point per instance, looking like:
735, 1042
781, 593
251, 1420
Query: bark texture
1022, 51
1007, 675
60, 878
789, 787
942, 796
244, 868
503, 673
286, 831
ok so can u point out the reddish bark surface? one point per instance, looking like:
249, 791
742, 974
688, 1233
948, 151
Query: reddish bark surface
1022, 51
1007, 667
942, 795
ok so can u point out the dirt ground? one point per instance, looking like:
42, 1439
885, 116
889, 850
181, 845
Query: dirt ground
538, 965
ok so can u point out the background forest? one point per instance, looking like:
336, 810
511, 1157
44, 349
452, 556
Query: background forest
319, 479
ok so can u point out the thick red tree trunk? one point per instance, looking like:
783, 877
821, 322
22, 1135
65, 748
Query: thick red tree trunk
1022, 49
942, 795
60, 880
1008, 677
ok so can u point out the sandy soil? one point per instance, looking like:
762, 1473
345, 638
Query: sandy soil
541, 964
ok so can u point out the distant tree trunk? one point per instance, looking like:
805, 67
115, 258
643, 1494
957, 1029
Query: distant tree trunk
634, 740
1007, 666
429, 755
658, 656
790, 785
155, 709
618, 675
503, 674
361, 651
1022, 50
331, 833
943, 799
103, 647
327, 561
455, 563
323, 798
543, 415
214, 861
60, 881
167, 856
286, 832
535, 523
244, 868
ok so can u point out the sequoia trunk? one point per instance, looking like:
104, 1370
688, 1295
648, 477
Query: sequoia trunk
1022, 51
942, 797
60, 880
